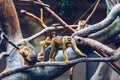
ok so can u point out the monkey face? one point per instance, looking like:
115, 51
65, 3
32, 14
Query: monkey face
68, 41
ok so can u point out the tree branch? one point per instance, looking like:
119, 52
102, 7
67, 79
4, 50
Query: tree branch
103, 50
39, 64
63, 23
61, 66
44, 31
108, 32
115, 12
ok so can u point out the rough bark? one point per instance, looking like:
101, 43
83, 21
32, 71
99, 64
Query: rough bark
99, 74
114, 13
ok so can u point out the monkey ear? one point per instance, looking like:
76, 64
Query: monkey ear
65, 39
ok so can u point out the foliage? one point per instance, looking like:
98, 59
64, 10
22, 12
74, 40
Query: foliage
66, 3
65, 8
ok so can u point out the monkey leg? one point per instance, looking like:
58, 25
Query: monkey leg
74, 47
65, 56
54, 55
80, 53
41, 54
71, 73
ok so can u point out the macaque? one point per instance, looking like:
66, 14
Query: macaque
81, 24
27, 53
63, 42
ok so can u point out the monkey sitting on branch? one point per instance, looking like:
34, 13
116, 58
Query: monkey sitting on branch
81, 25
27, 51
43, 45
63, 42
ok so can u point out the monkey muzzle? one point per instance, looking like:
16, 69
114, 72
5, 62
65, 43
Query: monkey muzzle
68, 44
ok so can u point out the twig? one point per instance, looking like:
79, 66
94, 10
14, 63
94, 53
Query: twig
93, 11
38, 64
35, 17
42, 4
84, 13
63, 23
3, 54
44, 31
41, 14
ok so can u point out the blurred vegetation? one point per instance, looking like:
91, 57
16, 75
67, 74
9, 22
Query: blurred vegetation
66, 9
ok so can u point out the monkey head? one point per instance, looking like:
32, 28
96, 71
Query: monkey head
68, 41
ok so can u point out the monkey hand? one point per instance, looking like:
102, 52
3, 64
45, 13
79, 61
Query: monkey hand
66, 61
84, 55
40, 57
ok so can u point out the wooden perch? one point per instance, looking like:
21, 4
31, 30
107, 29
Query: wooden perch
106, 52
39, 64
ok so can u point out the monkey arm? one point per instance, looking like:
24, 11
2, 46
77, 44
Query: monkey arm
74, 47
53, 48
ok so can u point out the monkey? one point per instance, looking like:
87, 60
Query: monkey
64, 42
43, 45
27, 53
81, 24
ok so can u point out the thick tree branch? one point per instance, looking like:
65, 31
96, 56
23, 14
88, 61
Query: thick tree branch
39, 64
103, 50
85, 41
107, 33
115, 12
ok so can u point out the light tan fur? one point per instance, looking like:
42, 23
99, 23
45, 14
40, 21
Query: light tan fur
81, 24
27, 54
64, 42
43, 45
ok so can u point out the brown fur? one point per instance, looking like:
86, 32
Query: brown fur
64, 42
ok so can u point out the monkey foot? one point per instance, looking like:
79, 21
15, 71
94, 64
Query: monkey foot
83, 55
41, 58
51, 60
